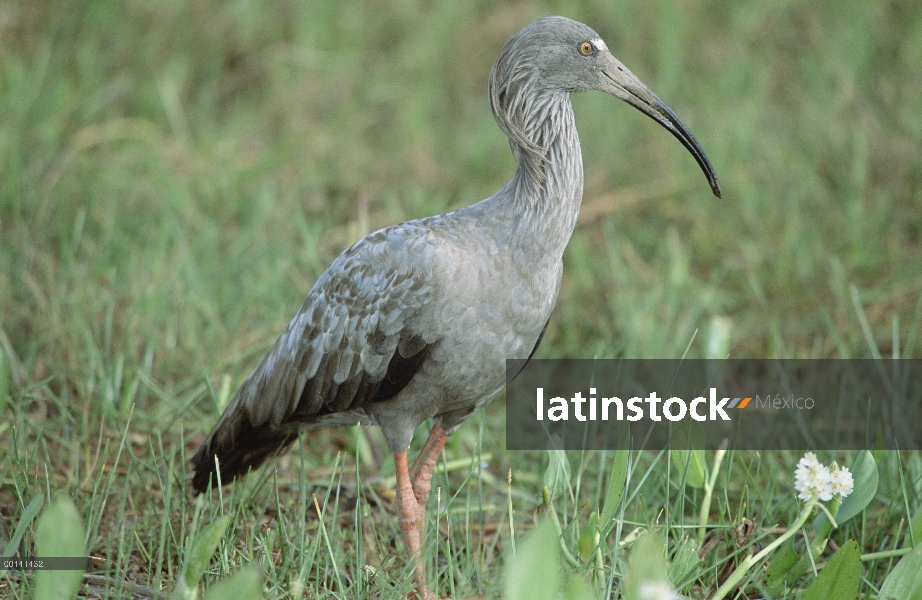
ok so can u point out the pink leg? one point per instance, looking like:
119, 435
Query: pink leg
413, 487
411, 522
421, 471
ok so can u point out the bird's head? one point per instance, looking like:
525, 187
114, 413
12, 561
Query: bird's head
556, 54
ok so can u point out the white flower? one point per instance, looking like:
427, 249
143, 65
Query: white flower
659, 590
808, 460
813, 479
841, 481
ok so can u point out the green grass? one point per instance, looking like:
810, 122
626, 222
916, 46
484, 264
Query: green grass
174, 176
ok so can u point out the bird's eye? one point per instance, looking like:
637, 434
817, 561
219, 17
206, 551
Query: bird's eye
586, 48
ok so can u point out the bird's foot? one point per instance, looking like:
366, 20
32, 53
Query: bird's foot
421, 593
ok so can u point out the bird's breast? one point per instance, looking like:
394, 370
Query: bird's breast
490, 309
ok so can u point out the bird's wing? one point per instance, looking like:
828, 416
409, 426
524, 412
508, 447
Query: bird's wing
353, 340
356, 339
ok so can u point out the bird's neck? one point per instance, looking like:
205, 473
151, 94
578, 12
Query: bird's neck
548, 186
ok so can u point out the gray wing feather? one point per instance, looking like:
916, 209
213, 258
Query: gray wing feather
356, 339
348, 329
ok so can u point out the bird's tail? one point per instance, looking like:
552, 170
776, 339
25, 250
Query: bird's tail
237, 446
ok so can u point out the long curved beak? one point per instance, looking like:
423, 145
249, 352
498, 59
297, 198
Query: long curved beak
618, 81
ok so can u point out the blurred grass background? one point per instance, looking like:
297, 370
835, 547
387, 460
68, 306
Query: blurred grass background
175, 175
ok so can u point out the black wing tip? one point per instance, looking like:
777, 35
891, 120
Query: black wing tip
236, 453
201, 482
204, 470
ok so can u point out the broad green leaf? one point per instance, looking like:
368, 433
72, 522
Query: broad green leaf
202, 551
694, 462
59, 532
779, 569
557, 475
864, 472
534, 572
646, 571
905, 580
578, 589
840, 577
245, 584
589, 538
684, 563
617, 481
